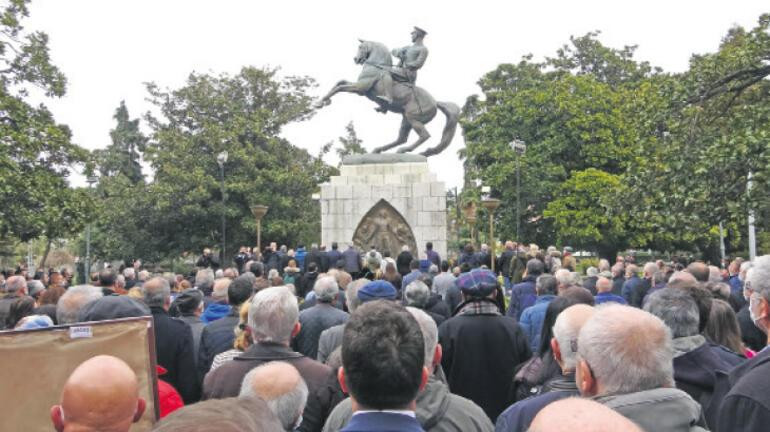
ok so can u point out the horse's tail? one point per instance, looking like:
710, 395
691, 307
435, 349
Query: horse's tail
452, 113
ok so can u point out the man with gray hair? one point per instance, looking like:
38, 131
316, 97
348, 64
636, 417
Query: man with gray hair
589, 283
331, 338
564, 347
130, 274
632, 284
532, 318
696, 361
437, 410
280, 385
746, 407
320, 317
204, 281
15, 288
219, 307
417, 294
173, 341
625, 361
564, 279
273, 322
69, 304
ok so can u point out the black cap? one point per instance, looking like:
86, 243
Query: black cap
189, 300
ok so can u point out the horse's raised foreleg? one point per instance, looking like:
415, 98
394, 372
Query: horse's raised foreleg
327, 99
421, 131
403, 134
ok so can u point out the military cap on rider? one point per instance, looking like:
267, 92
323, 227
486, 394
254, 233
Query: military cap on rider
420, 31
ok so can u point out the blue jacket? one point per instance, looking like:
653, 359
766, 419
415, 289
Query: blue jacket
532, 318
299, 256
382, 422
736, 286
631, 285
608, 297
523, 295
409, 278
214, 312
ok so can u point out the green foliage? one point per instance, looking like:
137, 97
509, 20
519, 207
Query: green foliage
350, 143
122, 155
36, 153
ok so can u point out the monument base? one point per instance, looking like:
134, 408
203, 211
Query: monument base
387, 201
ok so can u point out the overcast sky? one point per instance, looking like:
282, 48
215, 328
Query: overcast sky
109, 48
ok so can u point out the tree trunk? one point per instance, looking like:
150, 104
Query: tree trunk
45, 255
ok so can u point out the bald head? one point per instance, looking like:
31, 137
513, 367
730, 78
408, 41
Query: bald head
16, 285
603, 285
700, 270
220, 289
574, 414
102, 394
682, 279
281, 386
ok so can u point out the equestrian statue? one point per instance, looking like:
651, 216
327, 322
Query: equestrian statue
393, 89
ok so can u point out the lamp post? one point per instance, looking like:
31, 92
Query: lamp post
469, 211
259, 212
519, 147
87, 264
221, 160
491, 204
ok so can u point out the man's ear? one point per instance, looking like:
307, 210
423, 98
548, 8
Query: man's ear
424, 378
556, 350
56, 418
341, 379
141, 405
437, 354
587, 383
296, 329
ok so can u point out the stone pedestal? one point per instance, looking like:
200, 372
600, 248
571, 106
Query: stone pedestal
372, 185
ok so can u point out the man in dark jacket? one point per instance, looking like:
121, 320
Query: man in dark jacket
481, 348
403, 260
333, 255
306, 282
189, 304
432, 255
746, 408
632, 284
352, 261
173, 341
273, 315
523, 294
696, 361
617, 279
219, 336
504, 264
312, 257
16, 288
320, 317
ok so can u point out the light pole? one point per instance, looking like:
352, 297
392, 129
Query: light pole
469, 211
491, 205
221, 160
519, 147
87, 264
259, 212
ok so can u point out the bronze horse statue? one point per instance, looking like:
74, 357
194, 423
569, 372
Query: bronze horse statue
416, 106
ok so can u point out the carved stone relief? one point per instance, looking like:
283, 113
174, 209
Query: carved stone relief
384, 228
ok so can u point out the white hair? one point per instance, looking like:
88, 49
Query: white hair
273, 273
351, 294
204, 279
129, 272
416, 294
604, 265
758, 276
219, 274
592, 271
715, 275
650, 268
429, 333
628, 350
156, 292
287, 406
220, 289
120, 281
73, 300
326, 289
563, 276
677, 309
144, 275
272, 315
566, 332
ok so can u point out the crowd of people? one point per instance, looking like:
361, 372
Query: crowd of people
329, 340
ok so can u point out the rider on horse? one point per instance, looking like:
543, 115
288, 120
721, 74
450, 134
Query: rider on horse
411, 58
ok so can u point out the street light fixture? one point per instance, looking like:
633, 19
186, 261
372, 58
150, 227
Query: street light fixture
259, 211
491, 204
520, 147
221, 160
469, 211
87, 265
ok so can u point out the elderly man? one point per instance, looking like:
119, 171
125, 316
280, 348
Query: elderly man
531, 321
632, 284
699, 270
246, 414
15, 288
218, 336
639, 290
618, 270
696, 361
592, 275
189, 304
523, 294
564, 347
101, 394
320, 317
417, 295
482, 347
69, 304
173, 341
746, 408
564, 280
282, 387
604, 292
383, 368
273, 321
218, 306
331, 338
574, 414
625, 361
130, 274
437, 408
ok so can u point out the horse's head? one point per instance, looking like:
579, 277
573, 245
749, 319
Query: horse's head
364, 49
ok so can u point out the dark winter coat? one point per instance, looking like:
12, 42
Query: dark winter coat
314, 321
402, 262
175, 352
746, 408
216, 338
352, 261
523, 295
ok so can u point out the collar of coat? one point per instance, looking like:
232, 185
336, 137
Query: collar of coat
269, 351
479, 307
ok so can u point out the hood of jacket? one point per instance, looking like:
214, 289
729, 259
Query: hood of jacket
432, 403
214, 312
660, 409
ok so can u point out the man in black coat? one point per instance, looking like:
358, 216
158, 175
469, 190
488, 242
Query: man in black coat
219, 336
352, 261
481, 347
313, 257
333, 255
403, 260
746, 408
173, 341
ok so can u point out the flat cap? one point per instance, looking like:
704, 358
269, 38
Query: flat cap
477, 283
377, 290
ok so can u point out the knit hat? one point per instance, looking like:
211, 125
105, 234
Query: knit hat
377, 290
477, 283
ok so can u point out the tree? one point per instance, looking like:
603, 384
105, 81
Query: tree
36, 153
123, 155
242, 114
350, 143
